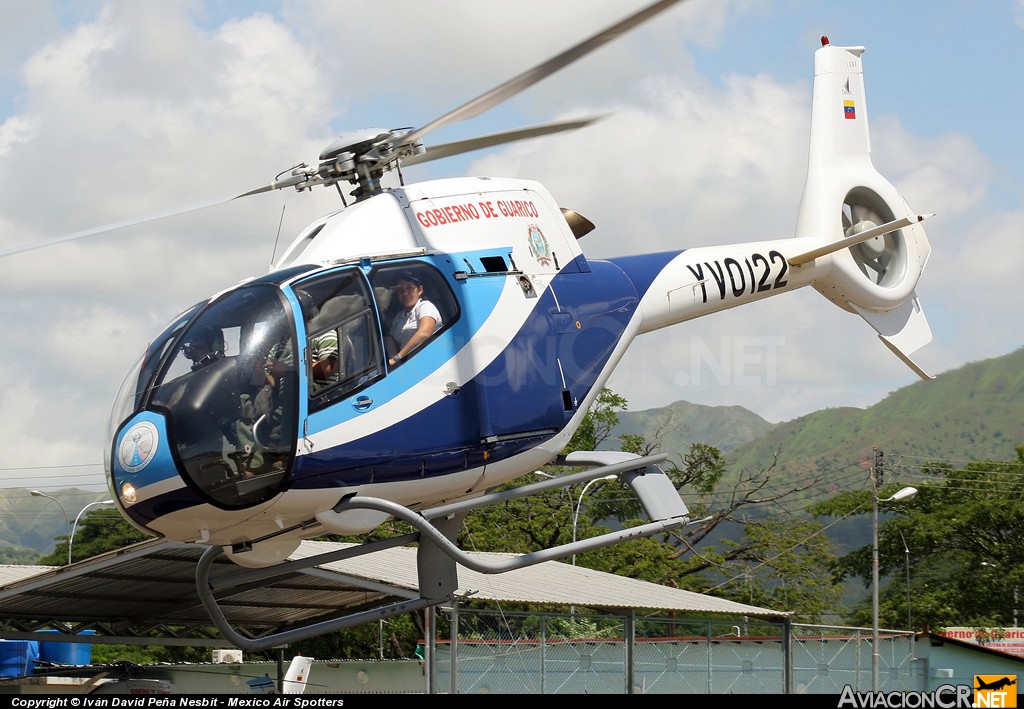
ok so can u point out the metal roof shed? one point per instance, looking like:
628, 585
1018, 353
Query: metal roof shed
130, 595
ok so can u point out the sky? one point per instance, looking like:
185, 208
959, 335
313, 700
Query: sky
116, 110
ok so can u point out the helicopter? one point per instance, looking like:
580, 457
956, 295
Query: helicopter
124, 677
233, 429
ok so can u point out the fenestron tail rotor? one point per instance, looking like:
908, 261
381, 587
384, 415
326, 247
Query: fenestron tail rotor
882, 259
875, 261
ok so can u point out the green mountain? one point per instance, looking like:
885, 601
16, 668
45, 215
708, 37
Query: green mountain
29, 525
678, 425
975, 412
971, 413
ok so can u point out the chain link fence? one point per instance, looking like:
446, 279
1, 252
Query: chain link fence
828, 658
482, 651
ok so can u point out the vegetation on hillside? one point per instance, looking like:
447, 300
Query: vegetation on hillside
32, 521
971, 413
98, 531
12, 554
745, 549
960, 540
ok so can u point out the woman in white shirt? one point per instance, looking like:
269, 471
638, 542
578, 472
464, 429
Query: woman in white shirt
416, 322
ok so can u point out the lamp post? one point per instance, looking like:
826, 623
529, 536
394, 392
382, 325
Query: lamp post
67, 521
74, 526
579, 504
906, 551
903, 494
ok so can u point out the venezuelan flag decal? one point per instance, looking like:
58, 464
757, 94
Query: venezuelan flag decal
849, 110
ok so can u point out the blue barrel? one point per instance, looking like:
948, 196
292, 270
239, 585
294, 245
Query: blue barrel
17, 657
61, 653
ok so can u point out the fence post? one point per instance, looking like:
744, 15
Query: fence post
543, 651
707, 645
787, 656
630, 637
453, 651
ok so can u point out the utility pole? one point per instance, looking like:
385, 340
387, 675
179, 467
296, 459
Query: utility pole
876, 482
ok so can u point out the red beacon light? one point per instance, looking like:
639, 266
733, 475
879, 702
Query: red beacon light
824, 41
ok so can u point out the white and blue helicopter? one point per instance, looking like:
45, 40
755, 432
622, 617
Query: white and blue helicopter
235, 430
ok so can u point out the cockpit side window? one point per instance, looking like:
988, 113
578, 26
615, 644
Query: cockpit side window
415, 304
342, 340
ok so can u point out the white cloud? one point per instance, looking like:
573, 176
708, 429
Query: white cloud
142, 107
15, 129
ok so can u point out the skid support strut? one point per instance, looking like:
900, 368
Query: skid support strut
437, 555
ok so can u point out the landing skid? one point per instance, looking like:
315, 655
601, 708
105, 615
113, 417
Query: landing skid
437, 556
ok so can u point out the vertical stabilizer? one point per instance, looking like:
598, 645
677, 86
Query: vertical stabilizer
297, 674
845, 196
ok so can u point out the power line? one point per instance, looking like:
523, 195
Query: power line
935, 460
53, 467
746, 572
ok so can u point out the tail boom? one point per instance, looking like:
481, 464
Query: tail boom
857, 242
705, 280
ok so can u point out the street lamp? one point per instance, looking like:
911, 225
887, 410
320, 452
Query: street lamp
903, 494
67, 521
74, 526
579, 504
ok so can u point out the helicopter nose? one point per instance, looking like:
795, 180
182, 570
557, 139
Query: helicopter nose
144, 477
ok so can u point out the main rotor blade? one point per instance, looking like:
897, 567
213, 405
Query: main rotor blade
446, 150
94, 231
113, 226
530, 77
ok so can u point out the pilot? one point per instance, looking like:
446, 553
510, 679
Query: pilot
323, 354
323, 349
416, 321
204, 346
265, 409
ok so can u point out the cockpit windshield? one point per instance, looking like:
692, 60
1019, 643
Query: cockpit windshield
229, 391
226, 378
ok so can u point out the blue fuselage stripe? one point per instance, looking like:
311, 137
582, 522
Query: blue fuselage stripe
524, 396
642, 269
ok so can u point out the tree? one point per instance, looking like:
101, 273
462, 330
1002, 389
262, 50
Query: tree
747, 548
97, 532
964, 531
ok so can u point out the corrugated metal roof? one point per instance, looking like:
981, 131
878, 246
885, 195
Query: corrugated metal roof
133, 590
551, 582
9, 573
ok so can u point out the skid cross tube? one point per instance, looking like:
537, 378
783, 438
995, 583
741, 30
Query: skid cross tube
647, 480
205, 591
633, 463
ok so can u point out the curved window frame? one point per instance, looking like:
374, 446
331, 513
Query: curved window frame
436, 289
138, 383
338, 307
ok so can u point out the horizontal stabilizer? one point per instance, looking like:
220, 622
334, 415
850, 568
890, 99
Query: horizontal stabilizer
857, 238
651, 485
904, 330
